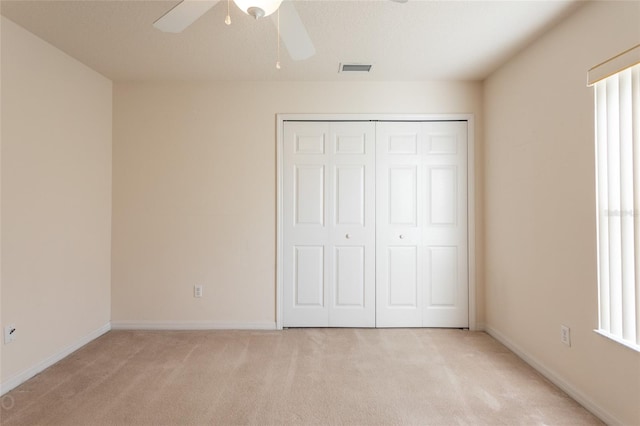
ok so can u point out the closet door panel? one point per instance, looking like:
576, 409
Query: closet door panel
308, 276
350, 195
352, 230
421, 234
399, 211
444, 236
305, 216
349, 277
403, 277
329, 224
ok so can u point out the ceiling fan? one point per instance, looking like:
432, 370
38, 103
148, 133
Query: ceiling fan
292, 33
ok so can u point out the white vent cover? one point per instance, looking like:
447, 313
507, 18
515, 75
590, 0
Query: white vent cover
355, 68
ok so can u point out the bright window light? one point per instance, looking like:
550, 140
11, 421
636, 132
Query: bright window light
617, 117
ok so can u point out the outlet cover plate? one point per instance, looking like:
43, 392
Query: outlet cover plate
10, 333
197, 291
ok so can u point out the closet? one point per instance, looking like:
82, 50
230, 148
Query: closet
374, 224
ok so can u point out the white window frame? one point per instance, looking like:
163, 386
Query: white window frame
617, 136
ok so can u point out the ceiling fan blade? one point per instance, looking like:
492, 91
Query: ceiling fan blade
183, 14
293, 32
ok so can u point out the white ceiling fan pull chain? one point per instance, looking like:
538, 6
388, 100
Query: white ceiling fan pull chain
278, 26
227, 20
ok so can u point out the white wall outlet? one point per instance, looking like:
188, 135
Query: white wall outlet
565, 335
10, 333
197, 291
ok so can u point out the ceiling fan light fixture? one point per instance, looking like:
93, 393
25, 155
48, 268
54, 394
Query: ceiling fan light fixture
258, 8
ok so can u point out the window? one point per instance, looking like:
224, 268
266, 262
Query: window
617, 118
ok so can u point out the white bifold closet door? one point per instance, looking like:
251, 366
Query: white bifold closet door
421, 231
329, 224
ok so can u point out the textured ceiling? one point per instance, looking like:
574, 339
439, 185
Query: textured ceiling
417, 40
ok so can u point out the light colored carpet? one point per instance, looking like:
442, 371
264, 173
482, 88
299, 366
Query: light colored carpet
297, 376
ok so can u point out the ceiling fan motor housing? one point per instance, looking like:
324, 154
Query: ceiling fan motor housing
258, 8
256, 12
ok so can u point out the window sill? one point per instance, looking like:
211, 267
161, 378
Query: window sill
616, 339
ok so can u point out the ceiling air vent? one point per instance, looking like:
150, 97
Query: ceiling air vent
355, 67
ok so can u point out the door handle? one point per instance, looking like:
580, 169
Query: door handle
401, 236
347, 236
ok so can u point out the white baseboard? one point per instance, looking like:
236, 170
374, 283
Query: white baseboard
192, 325
554, 378
21, 377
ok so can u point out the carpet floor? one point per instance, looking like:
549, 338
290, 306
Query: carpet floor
296, 376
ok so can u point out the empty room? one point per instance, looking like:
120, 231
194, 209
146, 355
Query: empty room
320, 212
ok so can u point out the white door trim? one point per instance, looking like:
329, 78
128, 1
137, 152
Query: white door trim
469, 118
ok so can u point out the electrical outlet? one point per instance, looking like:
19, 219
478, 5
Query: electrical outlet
10, 333
197, 291
565, 335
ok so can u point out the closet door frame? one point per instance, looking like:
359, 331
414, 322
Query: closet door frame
469, 118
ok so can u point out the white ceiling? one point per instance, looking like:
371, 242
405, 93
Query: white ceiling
417, 40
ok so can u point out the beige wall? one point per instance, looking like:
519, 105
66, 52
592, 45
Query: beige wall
194, 175
56, 199
540, 207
